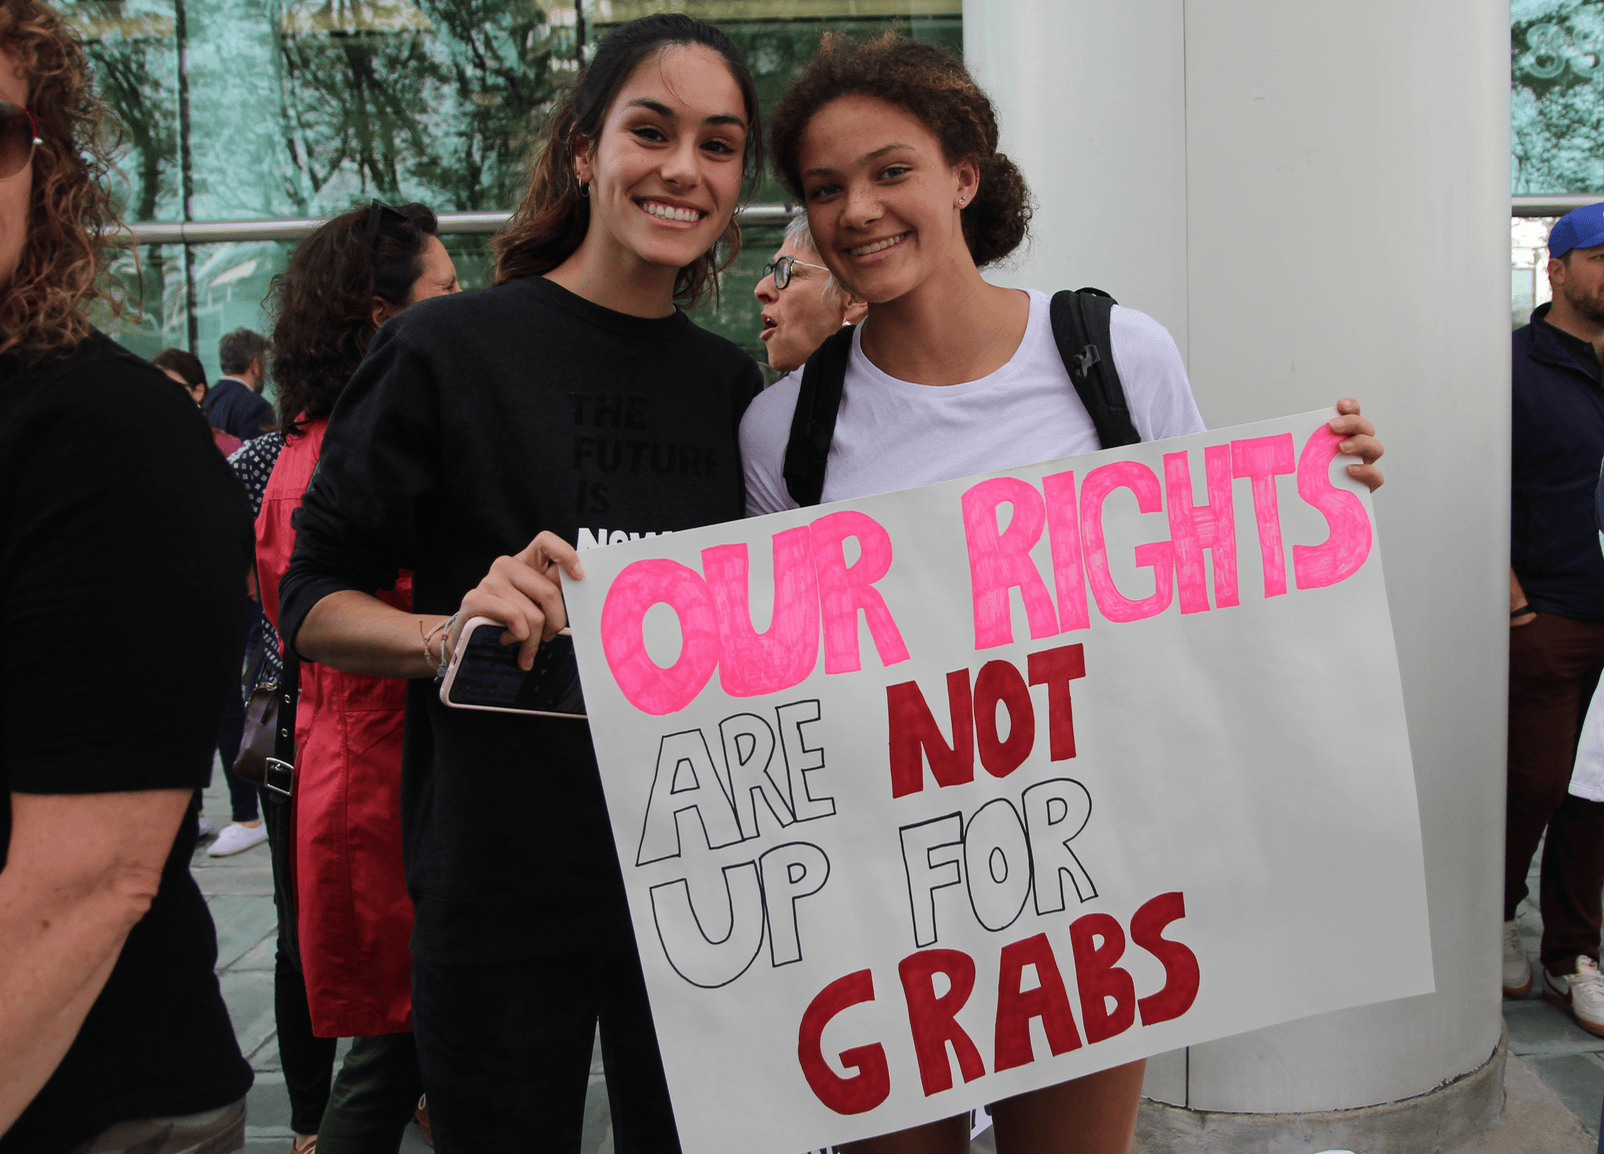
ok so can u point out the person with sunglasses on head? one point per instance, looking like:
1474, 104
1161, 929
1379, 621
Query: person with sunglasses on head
802, 301
892, 148
342, 968
113, 1032
481, 437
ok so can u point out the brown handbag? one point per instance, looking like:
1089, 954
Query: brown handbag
261, 731
267, 747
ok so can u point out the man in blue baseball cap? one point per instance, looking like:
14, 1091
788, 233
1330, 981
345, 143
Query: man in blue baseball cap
1556, 617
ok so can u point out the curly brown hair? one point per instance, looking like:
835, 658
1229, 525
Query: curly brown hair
554, 214
934, 86
322, 303
43, 307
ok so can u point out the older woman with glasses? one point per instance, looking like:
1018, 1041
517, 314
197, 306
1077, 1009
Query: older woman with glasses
802, 302
112, 1028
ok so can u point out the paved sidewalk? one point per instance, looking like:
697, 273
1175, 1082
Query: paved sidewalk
1565, 1057
239, 890
1567, 1061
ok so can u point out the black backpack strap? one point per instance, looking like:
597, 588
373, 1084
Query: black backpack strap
1080, 328
813, 424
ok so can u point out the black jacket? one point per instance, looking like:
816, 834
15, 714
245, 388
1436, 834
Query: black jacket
1557, 426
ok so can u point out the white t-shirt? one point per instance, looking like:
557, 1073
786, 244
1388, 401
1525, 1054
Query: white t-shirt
893, 434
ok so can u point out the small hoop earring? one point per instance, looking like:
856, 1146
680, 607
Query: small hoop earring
584, 188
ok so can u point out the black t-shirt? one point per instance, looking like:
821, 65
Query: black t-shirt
477, 421
124, 543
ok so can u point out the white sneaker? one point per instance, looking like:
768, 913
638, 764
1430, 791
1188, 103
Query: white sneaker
1517, 970
1582, 993
203, 826
236, 838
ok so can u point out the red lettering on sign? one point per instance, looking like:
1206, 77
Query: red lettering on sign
871, 1085
933, 1020
915, 736
1056, 668
1016, 1007
1180, 964
1000, 683
1099, 978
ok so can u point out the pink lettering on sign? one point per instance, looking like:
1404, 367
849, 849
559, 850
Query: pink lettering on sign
649, 687
1156, 555
1000, 561
1260, 459
1348, 543
1196, 528
1063, 532
845, 589
756, 663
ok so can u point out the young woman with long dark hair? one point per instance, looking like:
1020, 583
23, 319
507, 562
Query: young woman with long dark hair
342, 969
892, 147
479, 436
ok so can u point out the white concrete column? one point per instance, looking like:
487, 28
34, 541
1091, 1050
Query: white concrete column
1314, 198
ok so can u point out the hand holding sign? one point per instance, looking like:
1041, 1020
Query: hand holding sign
932, 798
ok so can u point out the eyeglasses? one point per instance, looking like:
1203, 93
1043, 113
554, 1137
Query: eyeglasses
781, 270
19, 136
377, 215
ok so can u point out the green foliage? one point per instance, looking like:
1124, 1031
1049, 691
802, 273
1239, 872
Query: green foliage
1557, 95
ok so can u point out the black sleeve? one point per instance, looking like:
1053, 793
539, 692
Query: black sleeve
124, 555
380, 465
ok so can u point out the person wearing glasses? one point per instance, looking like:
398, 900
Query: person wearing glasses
342, 968
802, 302
113, 1032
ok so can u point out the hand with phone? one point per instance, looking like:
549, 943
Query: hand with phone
523, 592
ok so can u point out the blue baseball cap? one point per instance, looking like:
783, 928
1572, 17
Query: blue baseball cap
1579, 228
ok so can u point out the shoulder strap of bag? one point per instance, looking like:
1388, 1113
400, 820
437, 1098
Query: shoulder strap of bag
1080, 329
280, 772
813, 424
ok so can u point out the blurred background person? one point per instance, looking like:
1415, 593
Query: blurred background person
112, 1028
235, 403
802, 302
347, 920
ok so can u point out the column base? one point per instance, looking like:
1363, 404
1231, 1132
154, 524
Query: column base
1435, 1122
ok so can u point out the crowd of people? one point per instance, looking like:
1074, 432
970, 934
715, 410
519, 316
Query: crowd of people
419, 471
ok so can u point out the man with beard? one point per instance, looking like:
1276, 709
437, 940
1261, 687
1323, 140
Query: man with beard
1556, 617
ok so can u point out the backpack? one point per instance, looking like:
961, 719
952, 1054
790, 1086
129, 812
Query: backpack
1080, 329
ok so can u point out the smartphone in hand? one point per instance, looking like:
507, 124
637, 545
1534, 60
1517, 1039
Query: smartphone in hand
484, 674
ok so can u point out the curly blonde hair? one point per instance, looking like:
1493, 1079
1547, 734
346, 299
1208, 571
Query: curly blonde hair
43, 308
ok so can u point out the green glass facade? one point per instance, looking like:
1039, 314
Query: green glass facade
239, 110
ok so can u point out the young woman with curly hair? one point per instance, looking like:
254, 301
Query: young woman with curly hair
113, 1031
480, 436
342, 969
892, 147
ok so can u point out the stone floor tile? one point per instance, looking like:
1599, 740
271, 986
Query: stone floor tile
241, 923
597, 1137
260, 956
1537, 1027
267, 1108
249, 997
266, 1058
1578, 1079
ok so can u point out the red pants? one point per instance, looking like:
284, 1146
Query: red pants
1554, 665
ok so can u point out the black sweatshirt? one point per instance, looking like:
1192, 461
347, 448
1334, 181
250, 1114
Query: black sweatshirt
477, 421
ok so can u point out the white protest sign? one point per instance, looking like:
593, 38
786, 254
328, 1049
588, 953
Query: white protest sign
931, 798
